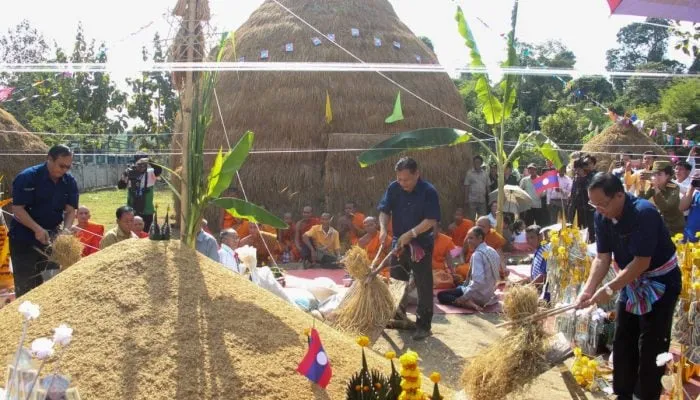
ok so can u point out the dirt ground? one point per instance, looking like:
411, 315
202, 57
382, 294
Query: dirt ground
458, 337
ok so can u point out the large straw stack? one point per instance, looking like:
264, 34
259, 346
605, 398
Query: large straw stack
286, 110
14, 138
619, 138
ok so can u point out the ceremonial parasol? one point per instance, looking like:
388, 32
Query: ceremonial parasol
516, 199
684, 10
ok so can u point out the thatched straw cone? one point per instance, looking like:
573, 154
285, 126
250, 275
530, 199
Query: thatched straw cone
366, 306
14, 138
66, 250
619, 138
512, 362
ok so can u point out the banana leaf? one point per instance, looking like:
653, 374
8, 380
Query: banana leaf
420, 139
226, 166
255, 214
510, 82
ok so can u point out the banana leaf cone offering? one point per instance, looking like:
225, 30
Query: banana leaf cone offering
165, 228
154, 230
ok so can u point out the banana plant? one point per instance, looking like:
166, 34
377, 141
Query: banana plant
496, 111
200, 190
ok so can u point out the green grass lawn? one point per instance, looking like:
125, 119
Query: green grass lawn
104, 203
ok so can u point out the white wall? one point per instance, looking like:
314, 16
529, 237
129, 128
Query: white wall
94, 176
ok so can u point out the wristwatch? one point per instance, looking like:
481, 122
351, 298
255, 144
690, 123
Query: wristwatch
608, 290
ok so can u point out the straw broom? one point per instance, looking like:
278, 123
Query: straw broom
512, 362
368, 304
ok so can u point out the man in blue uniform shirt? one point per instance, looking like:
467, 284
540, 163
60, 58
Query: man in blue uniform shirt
414, 208
631, 231
43, 197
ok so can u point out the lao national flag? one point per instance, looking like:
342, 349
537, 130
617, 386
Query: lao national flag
548, 180
315, 364
5, 93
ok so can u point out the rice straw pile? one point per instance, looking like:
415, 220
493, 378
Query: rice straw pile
367, 306
66, 250
512, 362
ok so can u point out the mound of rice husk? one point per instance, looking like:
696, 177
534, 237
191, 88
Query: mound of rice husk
15, 139
66, 250
367, 306
512, 362
619, 138
154, 321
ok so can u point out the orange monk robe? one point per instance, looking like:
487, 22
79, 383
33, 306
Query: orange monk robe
142, 234
459, 233
358, 222
493, 239
268, 228
229, 221
90, 235
241, 226
243, 229
286, 239
264, 257
372, 247
441, 249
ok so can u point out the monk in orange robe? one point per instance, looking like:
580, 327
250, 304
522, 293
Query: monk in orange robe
493, 239
267, 250
286, 237
460, 227
351, 224
370, 242
89, 233
442, 275
241, 226
306, 222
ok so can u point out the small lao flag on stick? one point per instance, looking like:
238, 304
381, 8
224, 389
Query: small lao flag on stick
548, 180
315, 364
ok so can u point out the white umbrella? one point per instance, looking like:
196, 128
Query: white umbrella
516, 199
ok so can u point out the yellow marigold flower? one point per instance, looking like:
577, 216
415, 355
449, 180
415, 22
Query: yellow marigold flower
435, 377
390, 355
409, 358
577, 351
696, 285
697, 235
561, 250
363, 341
543, 243
678, 237
307, 332
546, 254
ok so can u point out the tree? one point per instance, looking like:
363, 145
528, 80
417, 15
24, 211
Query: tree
639, 91
153, 102
427, 42
639, 44
682, 100
563, 126
85, 103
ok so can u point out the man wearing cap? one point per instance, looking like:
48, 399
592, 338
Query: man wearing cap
631, 231
534, 213
666, 196
140, 179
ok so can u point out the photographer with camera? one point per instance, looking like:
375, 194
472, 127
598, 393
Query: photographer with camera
691, 203
139, 179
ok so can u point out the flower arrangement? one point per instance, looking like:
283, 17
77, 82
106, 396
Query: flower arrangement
584, 369
687, 315
568, 265
402, 385
23, 376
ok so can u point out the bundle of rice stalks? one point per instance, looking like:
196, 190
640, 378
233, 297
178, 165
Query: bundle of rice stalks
367, 305
512, 362
66, 250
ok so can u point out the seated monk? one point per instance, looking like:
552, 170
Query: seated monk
351, 225
241, 226
286, 238
305, 224
137, 227
370, 242
479, 290
442, 274
265, 253
459, 228
89, 233
493, 239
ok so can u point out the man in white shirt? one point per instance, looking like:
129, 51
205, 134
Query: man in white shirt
558, 198
476, 189
534, 214
227, 253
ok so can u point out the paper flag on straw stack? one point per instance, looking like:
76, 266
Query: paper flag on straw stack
397, 115
329, 111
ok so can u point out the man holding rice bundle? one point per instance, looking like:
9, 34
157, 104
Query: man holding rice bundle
414, 208
632, 231
43, 196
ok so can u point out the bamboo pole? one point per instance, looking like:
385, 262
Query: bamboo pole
187, 118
